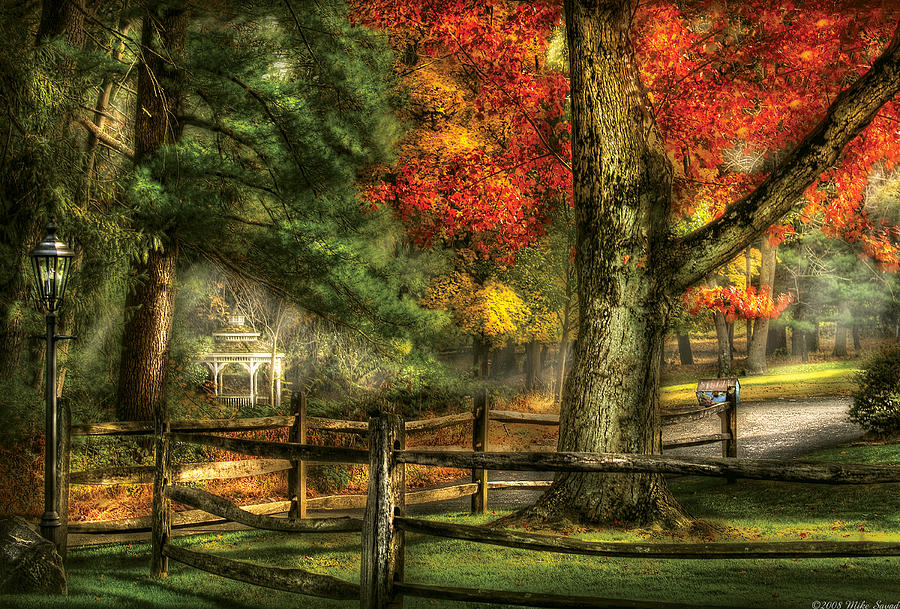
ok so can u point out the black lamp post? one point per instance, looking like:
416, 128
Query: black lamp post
51, 261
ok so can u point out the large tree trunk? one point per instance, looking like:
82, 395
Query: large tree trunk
630, 266
534, 378
622, 191
724, 350
756, 355
685, 354
150, 303
840, 333
148, 328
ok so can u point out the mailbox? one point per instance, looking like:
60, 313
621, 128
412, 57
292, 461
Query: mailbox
715, 391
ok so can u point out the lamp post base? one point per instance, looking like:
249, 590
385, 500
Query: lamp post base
51, 528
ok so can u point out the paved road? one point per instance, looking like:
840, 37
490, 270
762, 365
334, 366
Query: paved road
778, 429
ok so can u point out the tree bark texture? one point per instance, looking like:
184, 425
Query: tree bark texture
623, 183
756, 354
534, 378
685, 354
630, 266
150, 307
151, 301
62, 18
840, 332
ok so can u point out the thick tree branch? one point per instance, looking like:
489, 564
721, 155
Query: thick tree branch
107, 140
707, 248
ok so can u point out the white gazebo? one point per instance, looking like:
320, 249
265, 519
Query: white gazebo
235, 346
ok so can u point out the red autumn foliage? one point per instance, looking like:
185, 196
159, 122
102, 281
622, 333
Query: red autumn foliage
733, 87
736, 303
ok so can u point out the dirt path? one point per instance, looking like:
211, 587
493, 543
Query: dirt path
778, 429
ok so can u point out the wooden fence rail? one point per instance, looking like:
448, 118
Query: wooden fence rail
759, 469
385, 525
222, 507
291, 580
280, 457
276, 450
392, 587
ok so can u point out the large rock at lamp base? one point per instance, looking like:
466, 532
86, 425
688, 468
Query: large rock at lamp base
29, 564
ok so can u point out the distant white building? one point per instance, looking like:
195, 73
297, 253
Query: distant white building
238, 345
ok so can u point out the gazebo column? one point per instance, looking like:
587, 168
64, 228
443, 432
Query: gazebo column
252, 368
254, 389
278, 382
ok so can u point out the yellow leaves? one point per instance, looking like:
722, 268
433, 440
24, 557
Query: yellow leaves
735, 270
543, 327
448, 141
435, 90
493, 310
742, 133
807, 55
449, 292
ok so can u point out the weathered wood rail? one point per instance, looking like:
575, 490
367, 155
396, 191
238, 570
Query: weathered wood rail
392, 587
276, 457
294, 461
384, 526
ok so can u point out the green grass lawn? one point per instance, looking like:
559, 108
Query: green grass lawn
116, 577
789, 381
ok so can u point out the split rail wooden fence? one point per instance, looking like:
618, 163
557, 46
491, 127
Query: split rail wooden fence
384, 525
298, 424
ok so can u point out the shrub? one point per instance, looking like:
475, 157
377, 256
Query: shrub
876, 403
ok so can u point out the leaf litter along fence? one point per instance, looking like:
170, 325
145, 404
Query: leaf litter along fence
298, 424
383, 527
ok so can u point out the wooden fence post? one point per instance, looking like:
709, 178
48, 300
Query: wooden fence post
382, 542
728, 418
297, 474
480, 423
162, 505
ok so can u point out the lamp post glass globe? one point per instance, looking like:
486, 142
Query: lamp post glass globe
51, 261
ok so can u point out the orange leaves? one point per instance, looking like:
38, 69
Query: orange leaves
733, 86
475, 170
776, 234
735, 303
